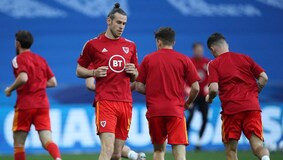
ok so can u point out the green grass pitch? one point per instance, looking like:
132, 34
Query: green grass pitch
213, 155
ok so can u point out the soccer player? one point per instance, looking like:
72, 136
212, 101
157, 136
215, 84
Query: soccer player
239, 80
127, 152
162, 78
200, 63
115, 62
33, 75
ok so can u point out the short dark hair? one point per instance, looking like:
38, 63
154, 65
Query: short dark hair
195, 44
25, 38
215, 38
116, 9
166, 35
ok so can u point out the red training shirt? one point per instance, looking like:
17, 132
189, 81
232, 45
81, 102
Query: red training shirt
102, 51
236, 75
33, 93
164, 73
201, 66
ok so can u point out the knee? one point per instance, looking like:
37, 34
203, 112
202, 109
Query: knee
231, 149
159, 149
107, 149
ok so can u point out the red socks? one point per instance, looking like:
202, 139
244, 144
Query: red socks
19, 153
51, 147
53, 150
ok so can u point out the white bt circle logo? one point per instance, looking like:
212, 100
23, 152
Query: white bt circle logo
117, 63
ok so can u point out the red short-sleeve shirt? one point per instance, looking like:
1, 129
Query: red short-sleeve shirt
164, 73
102, 51
236, 75
33, 93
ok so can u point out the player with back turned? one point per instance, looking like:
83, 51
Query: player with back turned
33, 76
239, 80
115, 61
162, 78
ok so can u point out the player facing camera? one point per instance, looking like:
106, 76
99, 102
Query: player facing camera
116, 21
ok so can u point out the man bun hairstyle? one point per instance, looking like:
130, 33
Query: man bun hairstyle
25, 38
215, 38
166, 35
116, 9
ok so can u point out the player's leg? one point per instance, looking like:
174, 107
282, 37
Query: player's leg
19, 143
43, 126
21, 126
106, 121
179, 152
204, 112
203, 108
252, 128
158, 134
118, 146
48, 144
231, 133
258, 149
231, 150
107, 145
124, 110
191, 115
177, 136
127, 152
159, 151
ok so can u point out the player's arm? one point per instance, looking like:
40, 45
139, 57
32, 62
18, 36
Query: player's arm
140, 87
262, 80
258, 73
193, 94
83, 72
89, 82
131, 69
52, 82
133, 86
212, 92
21, 79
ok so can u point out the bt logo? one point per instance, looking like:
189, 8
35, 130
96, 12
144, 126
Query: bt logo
117, 63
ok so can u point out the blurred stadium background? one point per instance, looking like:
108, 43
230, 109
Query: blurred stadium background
61, 27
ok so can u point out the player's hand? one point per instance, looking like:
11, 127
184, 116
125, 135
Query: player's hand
130, 68
8, 92
207, 99
101, 71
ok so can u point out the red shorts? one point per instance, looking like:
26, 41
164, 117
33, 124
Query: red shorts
24, 118
249, 122
173, 128
113, 117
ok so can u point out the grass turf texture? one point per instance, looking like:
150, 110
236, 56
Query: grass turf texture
213, 155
